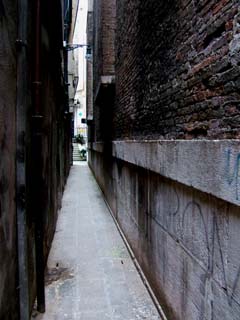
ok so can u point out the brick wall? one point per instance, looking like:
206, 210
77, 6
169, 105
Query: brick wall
104, 13
89, 66
177, 69
108, 36
97, 45
104, 22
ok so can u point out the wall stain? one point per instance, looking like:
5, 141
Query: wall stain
233, 175
2, 237
58, 273
213, 243
212, 246
4, 184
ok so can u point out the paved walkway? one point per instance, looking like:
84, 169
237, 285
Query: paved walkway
90, 273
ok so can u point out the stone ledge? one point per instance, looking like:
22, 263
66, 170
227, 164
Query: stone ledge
212, 166
104, 83
96, 146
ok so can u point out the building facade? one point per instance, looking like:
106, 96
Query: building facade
89, 71
35, 139
81, 53
164, 145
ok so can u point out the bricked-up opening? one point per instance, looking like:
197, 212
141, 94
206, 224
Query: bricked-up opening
198, 131
214, 35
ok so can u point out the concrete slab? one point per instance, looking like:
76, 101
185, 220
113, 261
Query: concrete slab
90, 273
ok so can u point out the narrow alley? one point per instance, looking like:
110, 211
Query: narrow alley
90, 273
119, 160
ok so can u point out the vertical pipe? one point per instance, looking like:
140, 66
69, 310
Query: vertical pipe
37, 83
21, 113
37, 163
68, 119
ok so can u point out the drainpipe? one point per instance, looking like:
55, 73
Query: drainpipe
38, 198
21, 113
68, 121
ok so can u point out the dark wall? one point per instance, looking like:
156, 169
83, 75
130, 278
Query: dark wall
8, 253
56, 124
177, 69
52, 163
48, 163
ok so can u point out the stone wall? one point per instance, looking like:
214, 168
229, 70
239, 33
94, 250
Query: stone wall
186, 240
177, 69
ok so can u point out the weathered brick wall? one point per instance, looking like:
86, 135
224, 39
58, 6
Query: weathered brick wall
90, 66
104, 21
177, 69
97, 45
104, 18
108, 36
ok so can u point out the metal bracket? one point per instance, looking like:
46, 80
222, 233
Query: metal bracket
70, 47
21, 43
37, 83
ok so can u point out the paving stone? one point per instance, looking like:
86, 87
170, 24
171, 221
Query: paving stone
90, 273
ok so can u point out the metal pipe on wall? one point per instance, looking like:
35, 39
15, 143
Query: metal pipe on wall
37, 82
37, 163
21, 114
